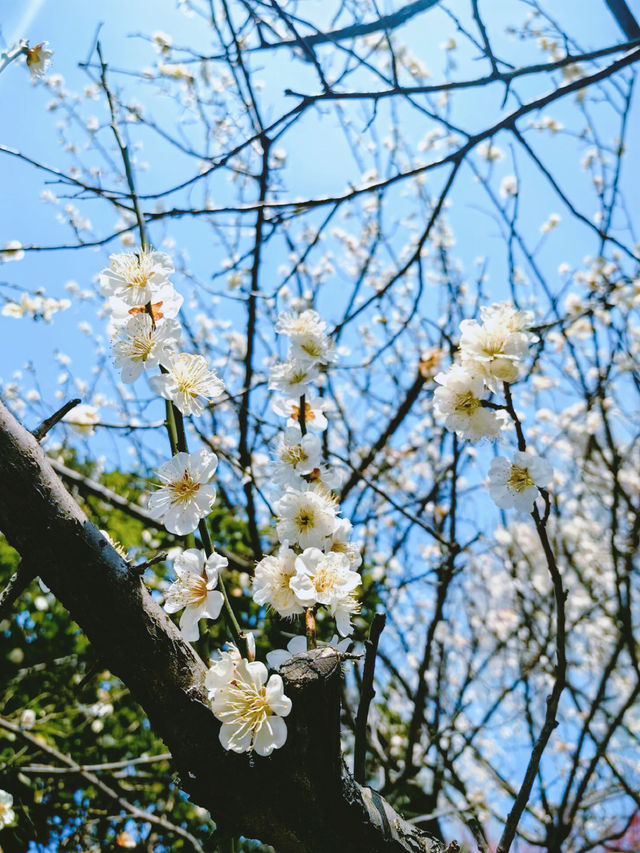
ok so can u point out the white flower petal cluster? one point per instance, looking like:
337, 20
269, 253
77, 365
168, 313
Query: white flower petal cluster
187, 380
458, 402
271, 582
296, 455
249, 704
306, 332
82, 418
306, 518
39, 60
194, 590
314, 411
314, 566
134, 277
140, 344
7, 814
327, 579
516, 484
186, 494
496, 348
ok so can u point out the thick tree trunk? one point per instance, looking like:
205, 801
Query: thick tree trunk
300, 799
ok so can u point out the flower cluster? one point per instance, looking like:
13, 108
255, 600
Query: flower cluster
491, 356
146, 333
315, 562
249, 704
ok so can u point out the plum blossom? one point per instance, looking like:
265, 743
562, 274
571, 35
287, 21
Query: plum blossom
516, 484
135, 277
296, 455
82, 418
314, 411
306, 332
165, 305
39, 59
194, 590
140, 344
249, 704
458, 402
305, 518
271, 583
496, 348
7, 814
340, 543
187, 380
327, 579
185, 495
292, 377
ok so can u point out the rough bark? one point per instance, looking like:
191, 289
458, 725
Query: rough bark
300, 799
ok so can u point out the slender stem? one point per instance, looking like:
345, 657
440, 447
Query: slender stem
302, 414
8, 57
366, 695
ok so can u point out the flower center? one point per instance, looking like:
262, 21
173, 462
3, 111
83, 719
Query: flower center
141, 347
248, 705
304, 519
519, 479
294, 455
324, 579
195, 589
467, 403
184, 490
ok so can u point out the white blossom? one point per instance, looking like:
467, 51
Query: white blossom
271, 582
165, 305
292, 377
7, 814
249, 704
82, 418
135, 277
340, 543
39, 59
314, 411
139, 345
495, 348
306, 332
305, 518
187, 380
327, 579
186, 495
296, 456
194, 590
458, 402
515, 484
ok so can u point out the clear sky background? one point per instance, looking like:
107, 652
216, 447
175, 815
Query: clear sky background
318, 161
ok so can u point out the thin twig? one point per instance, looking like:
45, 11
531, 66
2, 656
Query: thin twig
367, 693
48, 424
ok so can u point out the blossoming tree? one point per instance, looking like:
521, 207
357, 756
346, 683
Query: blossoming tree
298, 416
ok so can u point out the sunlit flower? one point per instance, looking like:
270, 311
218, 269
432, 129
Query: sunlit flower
517, 483
12, 251
188, 379
7, 814
39, 59
495, 348
82, 418
309, 342
327, 579
292, 377
165, 305
458, 402
135, 277
186, 495
296, 456
271, 582
314, 411
249, 704
140, 345
194, 590
305, 518
340, 543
